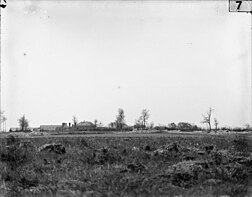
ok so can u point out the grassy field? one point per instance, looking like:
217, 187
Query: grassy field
127, 165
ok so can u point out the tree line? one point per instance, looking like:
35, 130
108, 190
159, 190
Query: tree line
141, 123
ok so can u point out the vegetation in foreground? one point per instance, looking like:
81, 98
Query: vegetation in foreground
126, 166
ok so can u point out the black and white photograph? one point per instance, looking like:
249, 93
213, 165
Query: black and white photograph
126, 98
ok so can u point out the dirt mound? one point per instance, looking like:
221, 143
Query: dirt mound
205, 164
170, 148
56, 148
188, 173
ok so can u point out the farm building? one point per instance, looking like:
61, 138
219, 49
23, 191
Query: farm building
85, 126
49, 127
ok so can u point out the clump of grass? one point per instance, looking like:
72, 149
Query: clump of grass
83, 143
241, 145
15, 157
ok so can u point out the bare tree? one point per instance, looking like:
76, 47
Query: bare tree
100, 124
151, 125
216, 123
2, 121
75, 121
207, 118
23, 123
138, 123
247, 127
112, 125
144, 117
95, 123
120, 119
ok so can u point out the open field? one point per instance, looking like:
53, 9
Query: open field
153, 133
127, 165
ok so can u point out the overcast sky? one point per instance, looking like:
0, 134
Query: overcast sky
89, 58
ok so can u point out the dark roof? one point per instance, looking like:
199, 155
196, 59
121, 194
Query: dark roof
86, 124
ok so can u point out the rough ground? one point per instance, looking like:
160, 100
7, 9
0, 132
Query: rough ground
126, 166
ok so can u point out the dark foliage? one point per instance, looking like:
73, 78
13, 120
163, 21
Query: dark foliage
185, 126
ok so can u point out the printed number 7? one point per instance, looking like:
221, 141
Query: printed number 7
239, 4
